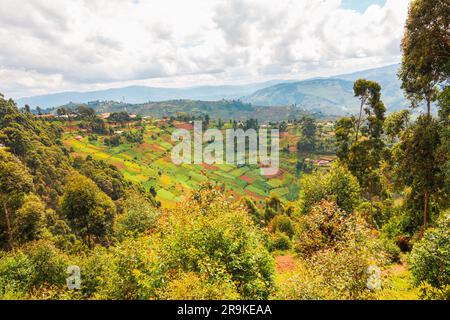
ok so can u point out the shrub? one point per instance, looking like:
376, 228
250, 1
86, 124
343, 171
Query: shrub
192, 286
391, 250
139, 216
430, 257
343, 270
217, 239
283, 224
127, 271
280, 241
322, 228
37, 264
337, 185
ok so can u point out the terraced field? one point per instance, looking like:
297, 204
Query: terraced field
149, 163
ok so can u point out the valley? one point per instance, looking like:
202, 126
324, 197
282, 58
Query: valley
149, 163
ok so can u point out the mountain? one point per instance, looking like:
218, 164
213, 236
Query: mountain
333, 95
392, 94
142, 94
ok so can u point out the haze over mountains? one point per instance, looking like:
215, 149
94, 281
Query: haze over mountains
331, 95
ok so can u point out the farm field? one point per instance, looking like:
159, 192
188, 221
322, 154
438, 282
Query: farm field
149, 163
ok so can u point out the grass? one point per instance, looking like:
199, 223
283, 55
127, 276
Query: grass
397, 285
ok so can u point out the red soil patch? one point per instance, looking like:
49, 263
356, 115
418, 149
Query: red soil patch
145, 145
71, 128
254, 195
247, 179
118, 165
209, 166
183, 125
285, 263
157, 147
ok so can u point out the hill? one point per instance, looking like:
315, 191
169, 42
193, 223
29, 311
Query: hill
332, 95
222, 109
142, 94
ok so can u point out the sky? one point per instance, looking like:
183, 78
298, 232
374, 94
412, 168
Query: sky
51, 46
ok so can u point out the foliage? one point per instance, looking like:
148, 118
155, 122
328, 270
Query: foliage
426, 52
138, 217
216, 239
430, 258
89, 211
192, 286
107, 177
35, 265
337, 185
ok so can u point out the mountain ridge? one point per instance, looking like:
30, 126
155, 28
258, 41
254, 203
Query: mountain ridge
331, 95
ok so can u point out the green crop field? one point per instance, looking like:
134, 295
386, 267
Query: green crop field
149, 163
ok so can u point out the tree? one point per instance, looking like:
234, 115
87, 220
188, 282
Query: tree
85, 112
88, 210
338, 185
363, 155
369, 93
15, 182
29, 220
138, 217
426, 50
344, 132
418, 164
308, 139
396, 123
27, 109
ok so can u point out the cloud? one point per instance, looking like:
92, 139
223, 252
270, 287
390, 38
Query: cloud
54, 45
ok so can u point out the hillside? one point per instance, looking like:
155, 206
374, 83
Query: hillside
222, 109
332, 95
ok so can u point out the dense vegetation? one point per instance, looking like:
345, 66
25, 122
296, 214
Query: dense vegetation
374, 224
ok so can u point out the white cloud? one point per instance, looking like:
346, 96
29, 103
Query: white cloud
54, 45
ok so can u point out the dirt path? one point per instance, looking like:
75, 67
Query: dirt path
285, 263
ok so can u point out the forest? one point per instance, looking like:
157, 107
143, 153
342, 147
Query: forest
359, 211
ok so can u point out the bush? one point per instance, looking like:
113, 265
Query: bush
280, 241
216, 240
282, 224
430, 257
391, 250
192, 286
337, 185
37, 264
322, 228
127, 271
139, 216
343, 271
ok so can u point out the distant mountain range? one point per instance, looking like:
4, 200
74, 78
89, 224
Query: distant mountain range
143, 94
332, 95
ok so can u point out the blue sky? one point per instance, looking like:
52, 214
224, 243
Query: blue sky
360, 5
